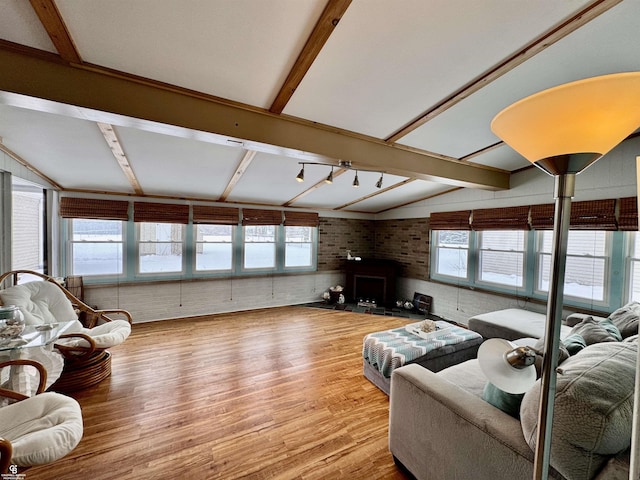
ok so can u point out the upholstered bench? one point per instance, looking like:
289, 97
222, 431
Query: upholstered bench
385, 351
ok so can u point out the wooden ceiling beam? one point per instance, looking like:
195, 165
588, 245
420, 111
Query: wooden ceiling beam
53, 23
28, 166
591, 11
237, 175
108, 96
381, 191
327, 22
109, 134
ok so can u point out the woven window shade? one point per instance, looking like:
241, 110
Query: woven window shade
301, 219
450, 220
72, 207
261, 217
594, 215
542, 216
215, 215
160, 212
510, 218
628, 216
589, 215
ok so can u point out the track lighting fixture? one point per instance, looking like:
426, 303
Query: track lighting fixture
329, 178
342, 165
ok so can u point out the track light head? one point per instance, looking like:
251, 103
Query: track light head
329, 178
356, 182
300, 176
379, 183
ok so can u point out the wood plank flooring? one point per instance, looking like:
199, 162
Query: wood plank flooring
268, 394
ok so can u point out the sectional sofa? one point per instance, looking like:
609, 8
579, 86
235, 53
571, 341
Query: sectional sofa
441, 425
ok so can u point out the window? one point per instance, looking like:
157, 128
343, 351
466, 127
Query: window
501, 257
586, 273
259, 246
28, 223
214, 247
634, 266
452, 253
298, 246
160, 247
96, 247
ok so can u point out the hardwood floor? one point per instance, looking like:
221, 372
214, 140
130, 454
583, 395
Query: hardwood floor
275, 393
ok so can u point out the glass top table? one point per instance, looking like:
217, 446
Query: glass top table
36, 336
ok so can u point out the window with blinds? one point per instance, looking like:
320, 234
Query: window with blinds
214, 233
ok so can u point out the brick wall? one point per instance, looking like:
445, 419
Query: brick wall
337, 235
406, 242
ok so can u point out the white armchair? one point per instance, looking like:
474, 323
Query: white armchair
37, 430
87, 360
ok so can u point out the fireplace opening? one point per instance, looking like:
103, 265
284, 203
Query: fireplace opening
369, 288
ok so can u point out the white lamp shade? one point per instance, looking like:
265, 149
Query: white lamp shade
491, 357
587, 116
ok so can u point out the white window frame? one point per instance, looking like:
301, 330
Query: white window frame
140, 244
72, 242
311, 246
197, 243
274, 243
438, 248
606, 259
485, 252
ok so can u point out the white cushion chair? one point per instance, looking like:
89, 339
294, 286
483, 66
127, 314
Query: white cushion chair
87, 360
37, 430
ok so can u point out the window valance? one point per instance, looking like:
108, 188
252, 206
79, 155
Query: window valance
301, 219
628, 214
450, 220
594, 215
252, 216
216, 215
93, 208
510, 218
160, 212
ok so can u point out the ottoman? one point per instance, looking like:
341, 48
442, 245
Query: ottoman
385, 351
511, 324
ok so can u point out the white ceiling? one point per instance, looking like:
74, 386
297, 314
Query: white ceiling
384, 65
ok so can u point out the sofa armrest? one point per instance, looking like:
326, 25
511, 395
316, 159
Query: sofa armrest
438, 430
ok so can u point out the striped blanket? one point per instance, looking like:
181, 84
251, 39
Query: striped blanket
392, 349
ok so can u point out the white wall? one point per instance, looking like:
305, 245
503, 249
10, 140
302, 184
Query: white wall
163, 300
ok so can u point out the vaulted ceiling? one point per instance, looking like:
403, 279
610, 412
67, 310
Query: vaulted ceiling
220, 100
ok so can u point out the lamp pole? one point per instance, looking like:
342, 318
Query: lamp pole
564, 190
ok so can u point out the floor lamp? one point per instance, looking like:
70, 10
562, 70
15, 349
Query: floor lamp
563, 130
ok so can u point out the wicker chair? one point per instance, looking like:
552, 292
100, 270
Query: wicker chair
87, 360
37, 430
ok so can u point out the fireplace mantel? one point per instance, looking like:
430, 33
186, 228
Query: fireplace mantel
371, 278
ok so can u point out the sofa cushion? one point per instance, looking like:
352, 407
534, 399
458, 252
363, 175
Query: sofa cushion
507, 402
592, 414
574, 343
593, 331
626, 319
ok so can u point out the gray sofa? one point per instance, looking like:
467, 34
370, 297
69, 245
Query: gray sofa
441, 428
